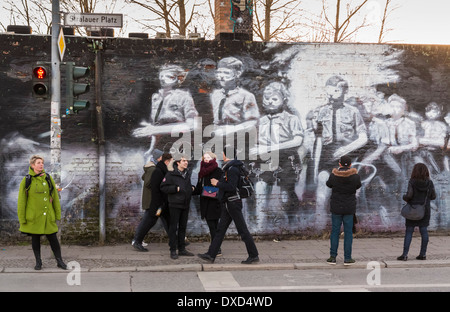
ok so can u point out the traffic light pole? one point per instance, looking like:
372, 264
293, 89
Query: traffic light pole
55, 117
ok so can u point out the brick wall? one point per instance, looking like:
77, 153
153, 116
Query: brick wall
290, 201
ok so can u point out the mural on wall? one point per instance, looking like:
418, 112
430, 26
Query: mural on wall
311, 115
299, 107
241, 15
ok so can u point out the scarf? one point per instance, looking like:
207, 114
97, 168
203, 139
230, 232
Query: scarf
207, 168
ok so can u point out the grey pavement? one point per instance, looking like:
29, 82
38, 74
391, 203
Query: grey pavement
284, 254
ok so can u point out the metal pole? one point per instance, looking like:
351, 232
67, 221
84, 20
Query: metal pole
101, 142
55, 117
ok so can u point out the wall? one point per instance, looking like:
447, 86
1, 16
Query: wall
385, 123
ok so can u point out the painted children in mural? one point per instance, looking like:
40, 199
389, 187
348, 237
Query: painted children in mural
234, 108
433, 139
172, 108
340, 131
280, 132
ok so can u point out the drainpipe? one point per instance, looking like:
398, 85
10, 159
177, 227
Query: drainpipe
101, 141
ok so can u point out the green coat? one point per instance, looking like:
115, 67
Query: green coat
38, 211
146, 189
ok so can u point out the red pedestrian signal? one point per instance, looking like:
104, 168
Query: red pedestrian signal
40, 82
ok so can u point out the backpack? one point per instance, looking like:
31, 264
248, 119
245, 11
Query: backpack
28, 183
245, 187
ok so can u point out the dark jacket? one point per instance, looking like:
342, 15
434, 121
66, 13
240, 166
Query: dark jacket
173, 180
159, 199
209, 207
146, 189
344, 182
228, 183
417, 191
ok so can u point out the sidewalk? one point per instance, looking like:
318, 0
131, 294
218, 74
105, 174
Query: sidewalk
286, 254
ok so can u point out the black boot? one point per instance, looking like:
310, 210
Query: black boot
61, 264
38, 265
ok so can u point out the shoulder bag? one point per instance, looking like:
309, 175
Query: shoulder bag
414, 211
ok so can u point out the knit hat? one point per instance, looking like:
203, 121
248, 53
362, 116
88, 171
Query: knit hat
345, 161
156, 154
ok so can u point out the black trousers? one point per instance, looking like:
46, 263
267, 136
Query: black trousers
232, 211
177, 228
54, 245
147, 222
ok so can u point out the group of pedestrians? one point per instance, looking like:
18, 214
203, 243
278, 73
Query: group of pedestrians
169, 188
168, 191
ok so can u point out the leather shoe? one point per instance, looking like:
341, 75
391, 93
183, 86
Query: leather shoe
251, 260
206, 257
173, 255
185, 253
139, 247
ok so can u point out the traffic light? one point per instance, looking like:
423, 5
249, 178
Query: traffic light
74, 88
41, 87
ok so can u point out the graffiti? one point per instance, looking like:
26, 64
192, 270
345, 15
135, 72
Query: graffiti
241, 15
299, 107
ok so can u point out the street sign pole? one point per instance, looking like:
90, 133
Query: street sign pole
55, 117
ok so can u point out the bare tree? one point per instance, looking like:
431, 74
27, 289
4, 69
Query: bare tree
388, 9
33, 13
342, 30
277, 19
173, 14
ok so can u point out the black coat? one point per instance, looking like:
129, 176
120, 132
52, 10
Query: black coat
159, 199
209, 207
344, 182
174, 179
417, 191
228, 183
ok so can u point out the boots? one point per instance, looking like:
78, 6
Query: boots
37, 256
60, 263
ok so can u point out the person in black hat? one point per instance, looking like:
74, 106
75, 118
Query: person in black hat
344, 181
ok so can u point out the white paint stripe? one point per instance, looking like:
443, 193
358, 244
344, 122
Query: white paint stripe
218, 280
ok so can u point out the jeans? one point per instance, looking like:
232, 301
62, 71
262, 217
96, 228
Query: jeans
336, 221
408, 238
232, 211
177, 228
147, 222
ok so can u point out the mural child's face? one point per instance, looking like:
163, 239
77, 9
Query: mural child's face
334, 92
225, 75
397, 109
168, 78
272, 100
433, 114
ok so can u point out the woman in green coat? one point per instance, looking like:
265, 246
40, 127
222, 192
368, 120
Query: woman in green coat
38, 211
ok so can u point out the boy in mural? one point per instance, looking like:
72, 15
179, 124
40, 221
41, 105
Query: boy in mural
340, 131
281, 132
171, 107
234, 108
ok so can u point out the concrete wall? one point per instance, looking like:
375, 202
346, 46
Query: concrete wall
386, 124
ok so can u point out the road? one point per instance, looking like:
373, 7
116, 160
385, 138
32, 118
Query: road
325, 280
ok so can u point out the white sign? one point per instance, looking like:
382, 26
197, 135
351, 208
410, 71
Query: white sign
93, 20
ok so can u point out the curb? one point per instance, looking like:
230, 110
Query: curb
241, 267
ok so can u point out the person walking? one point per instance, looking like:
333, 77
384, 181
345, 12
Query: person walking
38, 208
152, 198
177, 185
420, 187
231, 206
209, 207
344, 181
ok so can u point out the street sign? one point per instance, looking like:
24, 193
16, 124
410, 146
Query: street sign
61, 44
103, 20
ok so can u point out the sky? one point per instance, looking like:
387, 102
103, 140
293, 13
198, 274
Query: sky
414, 21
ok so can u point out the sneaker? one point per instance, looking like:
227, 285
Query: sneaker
331, 260
219, 253
206, 257
185, 253
139, 247
173, 255
349, 262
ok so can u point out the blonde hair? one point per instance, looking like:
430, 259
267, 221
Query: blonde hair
34, 158
213, 156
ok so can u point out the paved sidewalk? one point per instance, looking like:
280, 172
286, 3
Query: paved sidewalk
286, 254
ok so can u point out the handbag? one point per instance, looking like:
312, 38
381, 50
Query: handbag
210, 192
414, 211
